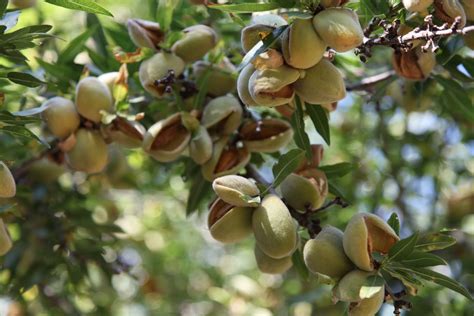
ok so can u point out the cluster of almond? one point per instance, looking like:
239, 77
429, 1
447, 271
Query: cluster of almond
79, 124
7, 190
217, 138
416, 64
296, 65
240, 211
347, 258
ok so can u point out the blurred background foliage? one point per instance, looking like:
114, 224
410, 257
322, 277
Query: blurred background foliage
119, 243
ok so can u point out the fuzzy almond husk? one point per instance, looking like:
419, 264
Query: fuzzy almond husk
366, 233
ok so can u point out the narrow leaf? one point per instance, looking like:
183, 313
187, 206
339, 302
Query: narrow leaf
82, 5
24, 79
442, 280
420, 259
76, 46
300, 136
319, 116
403, 248
197, 193
394, 222
434, 241
334, 190
286, 165
337, 170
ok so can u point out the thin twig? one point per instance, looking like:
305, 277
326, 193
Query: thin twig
369, 82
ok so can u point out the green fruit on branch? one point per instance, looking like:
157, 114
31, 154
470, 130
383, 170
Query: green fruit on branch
274, 228
156, 68
271, 265
228, 223
200, 146
356, 286
7, 182
92, 97
61, 117
237, 191
339, 28
321, 84
222, 115
45, 171
414, 64
272, 87
306, 189
243, 85
5, 240
367, 233
128, 134
198, 40
89, 153
109, 78
23, 4
266, 136
449, 10
325, 254
368, 306
301, 45
226, 159
417, 5
468, 6
167, 139
145, 33
221, 78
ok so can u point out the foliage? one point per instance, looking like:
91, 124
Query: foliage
133, 239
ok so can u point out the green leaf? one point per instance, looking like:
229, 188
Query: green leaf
3, 7
320, 117
199, 191
394, 222
16, 119
403, 248
372, 285
408, 279
99, 36
455, 99
334, 190
164, 13
245, 7
337, 170
22, 133
420, 259
286, 165
434, 241
300, 136
76, 46
299, 264
82, 5
442, 280
24, 79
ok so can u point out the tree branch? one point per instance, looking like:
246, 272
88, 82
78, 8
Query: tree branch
429, 32
369, 82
